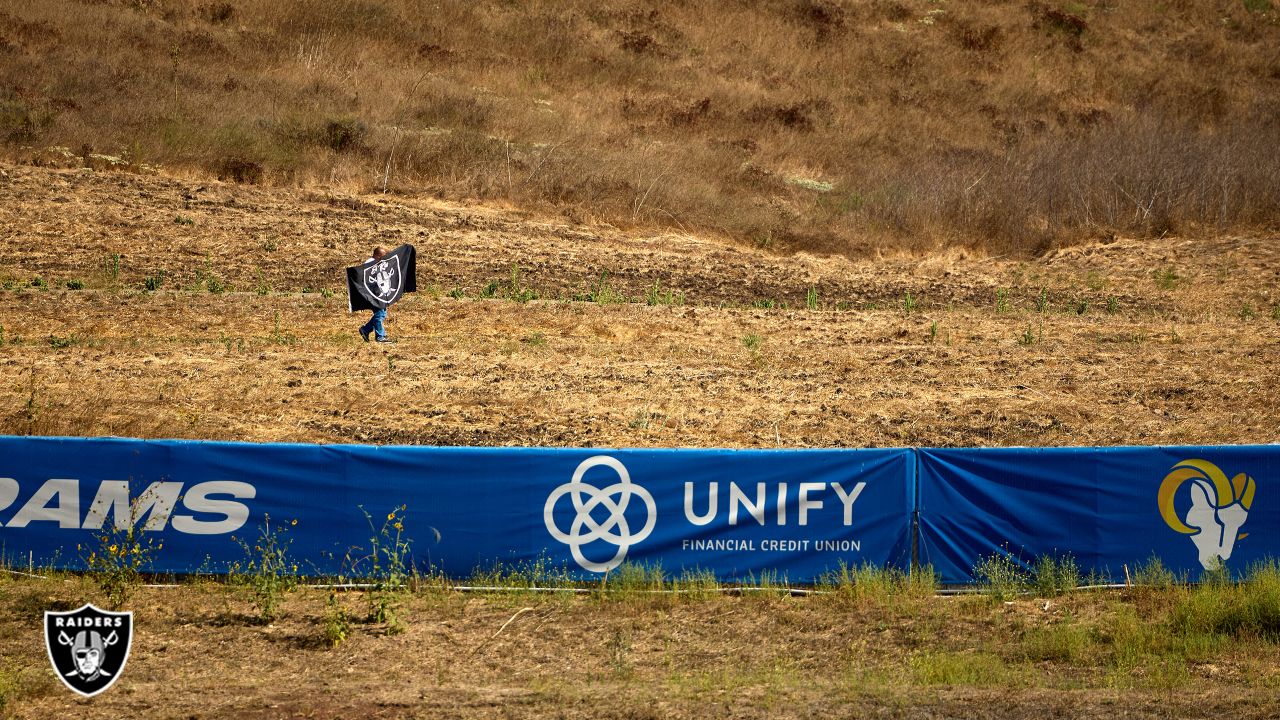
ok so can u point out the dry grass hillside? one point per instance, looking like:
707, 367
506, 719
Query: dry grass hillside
819, 125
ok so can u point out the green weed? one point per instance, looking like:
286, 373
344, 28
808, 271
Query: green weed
1055, 576
1000, 577
337, 623
1002, 300
268, 569
75, 284
1113, 305
908, 304
603, 292
1042, 302
111, 266
657, 296
1166, 278
154, 282
388, 568
811, 298
120, 556
183, 220
981, 669
1031, 338
752, 342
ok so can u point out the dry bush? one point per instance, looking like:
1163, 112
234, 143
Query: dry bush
815, 125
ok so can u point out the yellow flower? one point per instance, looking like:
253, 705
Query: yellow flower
295, 522
391, 515
398, 525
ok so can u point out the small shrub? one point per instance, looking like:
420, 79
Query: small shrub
1000, 577
39, 283
118, 559
751, 342
240, 169
215, 285
183, 220
218, 12
1154, 574
153, 282
1055, 576
344, 134
75, 284
1113, 305
457, 293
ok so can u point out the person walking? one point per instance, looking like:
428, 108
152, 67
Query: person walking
375, 324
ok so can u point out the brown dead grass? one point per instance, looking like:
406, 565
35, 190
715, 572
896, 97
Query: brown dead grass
1011, 126
198, 652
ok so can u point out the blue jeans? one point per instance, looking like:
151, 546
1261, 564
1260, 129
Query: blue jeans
375, 324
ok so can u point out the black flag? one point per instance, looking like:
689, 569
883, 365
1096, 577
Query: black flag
379, 283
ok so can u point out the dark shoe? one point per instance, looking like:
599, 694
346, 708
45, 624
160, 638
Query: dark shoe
385, 340
364, 334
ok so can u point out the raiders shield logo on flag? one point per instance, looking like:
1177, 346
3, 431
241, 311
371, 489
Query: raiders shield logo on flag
383, 278
88, 647
379, 283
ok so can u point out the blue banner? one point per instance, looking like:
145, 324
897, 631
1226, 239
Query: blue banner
1107, 508
738, 514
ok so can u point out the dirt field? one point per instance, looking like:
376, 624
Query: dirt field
632, 340
1136, 342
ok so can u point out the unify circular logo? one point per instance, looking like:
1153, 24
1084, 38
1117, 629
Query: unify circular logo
587, 500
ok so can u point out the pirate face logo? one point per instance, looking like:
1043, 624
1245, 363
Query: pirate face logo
88, 647
383, 278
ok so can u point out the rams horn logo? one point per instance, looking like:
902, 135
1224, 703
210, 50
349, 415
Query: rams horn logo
1218, 507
